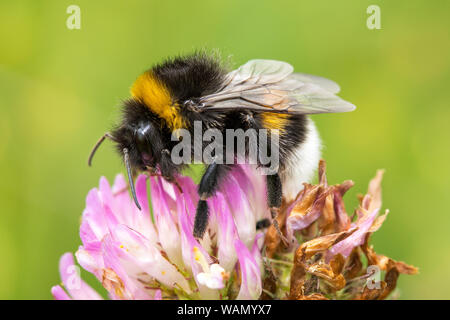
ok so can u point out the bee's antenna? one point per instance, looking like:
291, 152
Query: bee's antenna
130, 177
99, 142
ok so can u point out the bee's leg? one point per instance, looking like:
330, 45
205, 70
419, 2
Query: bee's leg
263, 224
274, 199
274, 193
207, 187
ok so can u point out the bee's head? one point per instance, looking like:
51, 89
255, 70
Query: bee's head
140, 134
138, 140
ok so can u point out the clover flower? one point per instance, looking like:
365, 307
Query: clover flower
139, 255
152, 254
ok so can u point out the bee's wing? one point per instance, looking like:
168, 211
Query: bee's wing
324, 83
271, 86
259, 72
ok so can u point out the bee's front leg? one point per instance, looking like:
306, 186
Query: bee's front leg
208, 186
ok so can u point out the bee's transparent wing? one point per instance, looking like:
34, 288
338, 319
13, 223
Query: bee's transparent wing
271, 86
259, 72
324, 83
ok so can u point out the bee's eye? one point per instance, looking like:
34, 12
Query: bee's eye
143, 143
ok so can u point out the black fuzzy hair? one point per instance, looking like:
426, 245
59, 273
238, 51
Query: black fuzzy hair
192, 76
186, 77
134, 113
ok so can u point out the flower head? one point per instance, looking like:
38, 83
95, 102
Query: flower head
144, 255
152, 254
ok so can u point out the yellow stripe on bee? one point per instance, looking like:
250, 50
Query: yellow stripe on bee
148, 90
272, 120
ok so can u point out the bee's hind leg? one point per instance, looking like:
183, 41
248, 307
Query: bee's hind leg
274, 193
274, 199
208, 186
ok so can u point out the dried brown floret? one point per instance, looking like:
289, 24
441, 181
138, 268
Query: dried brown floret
374, 191
390, 278
342, 220
371, 294
353, 265
269, 283
337, 263
327, 263
322, 173
272, 239
314, 296
325, 272
383, 262
112, 282
311, 247
406, 268
327, 220
298, 278
307, 200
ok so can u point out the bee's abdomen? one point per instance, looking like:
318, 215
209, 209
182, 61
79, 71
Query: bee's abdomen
300, 160
292, 130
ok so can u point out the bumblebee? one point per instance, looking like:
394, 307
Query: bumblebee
261, 94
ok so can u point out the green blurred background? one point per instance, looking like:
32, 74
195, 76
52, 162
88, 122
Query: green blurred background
60, 90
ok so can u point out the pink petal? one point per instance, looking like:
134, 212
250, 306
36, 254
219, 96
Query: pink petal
94, 214
126, 211
141, 193
110, 219
256, 251
251, 286
357, 238
244, 217
141, 221
127, 288
158, 295
188, 243
138, 257
87, 234
105, 192
189, 188
227, 233
255, 190
119, 183
169, 235
91, 260
342, 217
76, 287
123, 205
59, 293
